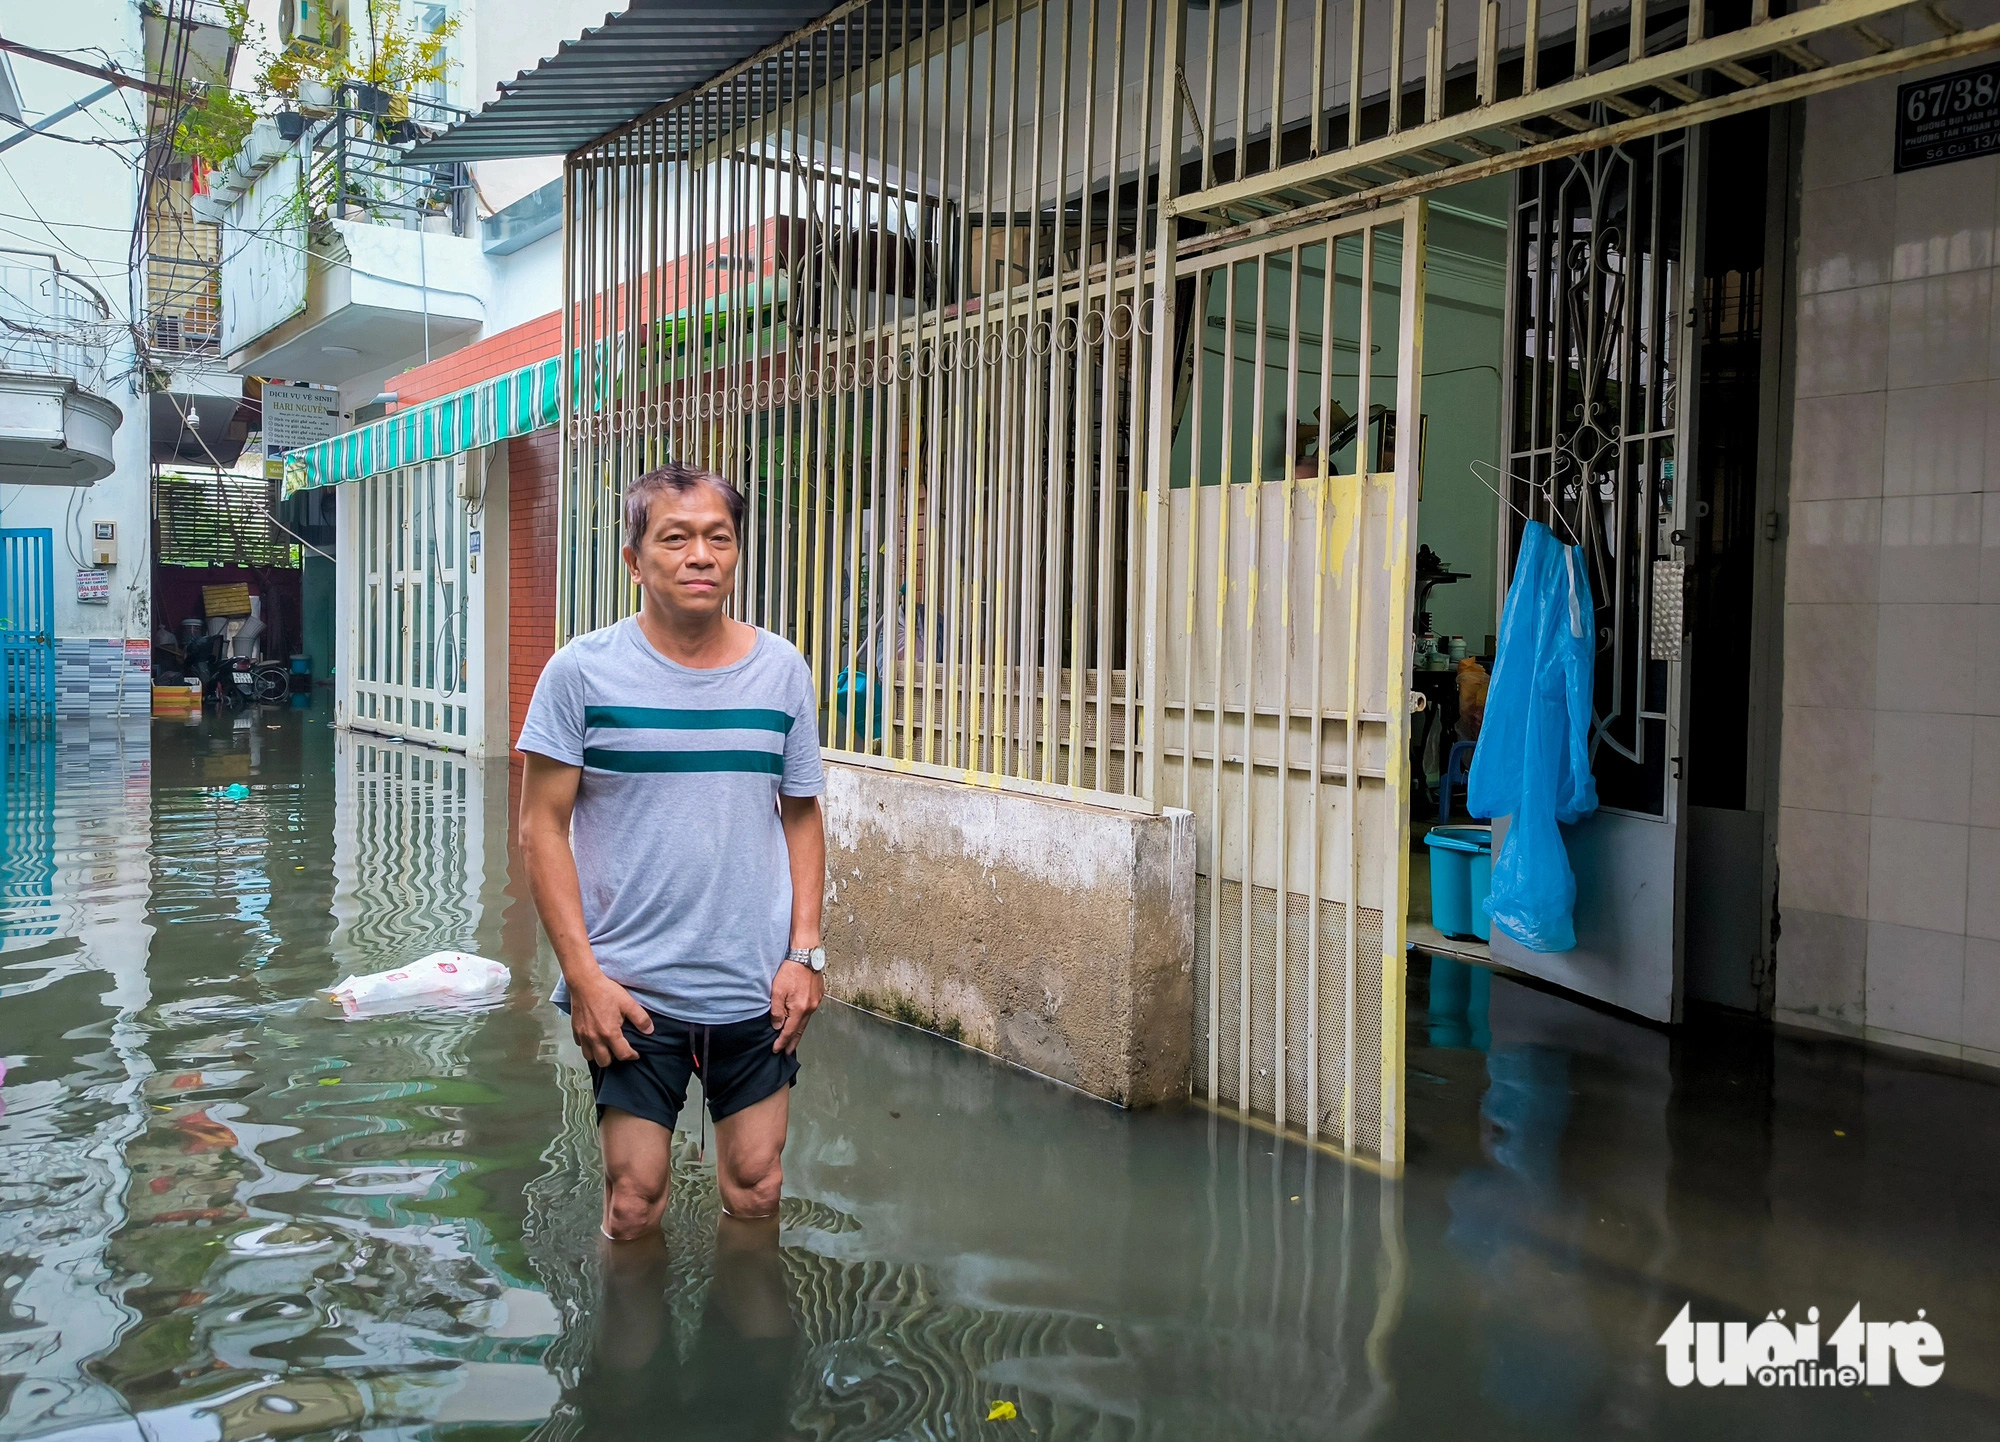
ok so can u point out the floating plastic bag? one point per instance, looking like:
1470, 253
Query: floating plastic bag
439, 979
1533, 761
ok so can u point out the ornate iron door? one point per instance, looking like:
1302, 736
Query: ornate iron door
1601, 346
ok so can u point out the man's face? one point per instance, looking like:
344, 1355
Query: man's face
687, 559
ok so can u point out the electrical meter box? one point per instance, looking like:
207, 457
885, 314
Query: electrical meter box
103, 543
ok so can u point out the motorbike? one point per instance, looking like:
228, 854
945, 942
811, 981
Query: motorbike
264, 683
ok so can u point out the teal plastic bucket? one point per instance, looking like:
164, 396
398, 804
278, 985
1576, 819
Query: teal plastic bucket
1461, 875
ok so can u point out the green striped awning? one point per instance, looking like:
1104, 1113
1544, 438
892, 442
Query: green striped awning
510, 405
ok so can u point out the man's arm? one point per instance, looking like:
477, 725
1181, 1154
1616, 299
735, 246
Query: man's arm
798, 990
598, 1006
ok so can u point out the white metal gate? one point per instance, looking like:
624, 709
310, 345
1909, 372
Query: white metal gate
905, 282
922, 278
1286, 665
416, 626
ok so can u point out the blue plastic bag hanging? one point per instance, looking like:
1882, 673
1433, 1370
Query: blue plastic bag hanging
1533, 761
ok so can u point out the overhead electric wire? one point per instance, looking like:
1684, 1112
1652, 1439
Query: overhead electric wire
107, 73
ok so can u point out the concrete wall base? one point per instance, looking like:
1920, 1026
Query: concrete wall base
1054, 935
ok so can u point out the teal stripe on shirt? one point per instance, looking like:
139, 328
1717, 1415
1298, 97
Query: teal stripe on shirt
667, 718
768, 763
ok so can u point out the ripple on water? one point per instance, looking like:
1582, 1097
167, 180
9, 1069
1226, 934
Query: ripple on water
223, 1205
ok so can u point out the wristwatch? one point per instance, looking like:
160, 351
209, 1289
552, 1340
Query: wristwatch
814, 957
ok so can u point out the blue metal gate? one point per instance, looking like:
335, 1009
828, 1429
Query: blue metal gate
27, 625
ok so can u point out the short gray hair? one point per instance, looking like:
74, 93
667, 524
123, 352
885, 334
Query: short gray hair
680, 480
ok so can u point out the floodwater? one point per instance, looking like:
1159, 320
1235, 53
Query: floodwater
226, 1212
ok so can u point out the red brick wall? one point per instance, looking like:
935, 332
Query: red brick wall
674, 285
531, 573
529, 342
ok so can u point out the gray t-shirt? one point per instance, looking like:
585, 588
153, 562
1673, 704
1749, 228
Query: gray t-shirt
687, 885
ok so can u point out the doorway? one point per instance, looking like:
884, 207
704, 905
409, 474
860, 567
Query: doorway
415, 650
1642, 430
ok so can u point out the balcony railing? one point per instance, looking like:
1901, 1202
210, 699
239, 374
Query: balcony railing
355, 168
52, 322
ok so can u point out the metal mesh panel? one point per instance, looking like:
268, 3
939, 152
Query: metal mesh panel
1218, 937
1368, 1035
1263, 1001
1304, 1051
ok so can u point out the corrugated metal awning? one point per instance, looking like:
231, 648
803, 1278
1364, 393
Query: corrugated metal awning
615, 73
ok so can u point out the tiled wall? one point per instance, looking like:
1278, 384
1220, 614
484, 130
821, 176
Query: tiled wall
99, 676
1889, 840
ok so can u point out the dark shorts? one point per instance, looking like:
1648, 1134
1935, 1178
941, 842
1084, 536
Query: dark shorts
735, 1062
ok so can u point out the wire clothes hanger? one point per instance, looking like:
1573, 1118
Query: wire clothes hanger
1546, 489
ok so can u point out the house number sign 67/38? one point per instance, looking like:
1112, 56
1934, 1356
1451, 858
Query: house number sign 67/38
1950, 117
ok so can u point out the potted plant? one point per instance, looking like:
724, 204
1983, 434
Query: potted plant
212, 129
367, 98
305, 79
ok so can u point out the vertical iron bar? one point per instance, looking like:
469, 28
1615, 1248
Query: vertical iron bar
1253, 518
1320, 559
1218, 865
1318, 81
1061, 476
1079, 591
963, 543
1013, 454
1211, 66
1354, 46
1531, 49
987, 610
1245, 14
920, 483
1204, 284
1396, 66
1401, 533
1357, 594
1289, 481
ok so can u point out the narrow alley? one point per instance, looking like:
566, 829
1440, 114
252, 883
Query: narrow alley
231, 1212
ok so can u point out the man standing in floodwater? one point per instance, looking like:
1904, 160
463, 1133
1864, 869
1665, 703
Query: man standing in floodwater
671, 825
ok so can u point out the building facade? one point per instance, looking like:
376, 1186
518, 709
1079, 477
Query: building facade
75, 586
1124, 391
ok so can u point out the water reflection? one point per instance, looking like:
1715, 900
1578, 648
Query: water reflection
730, 1379
232, 1209
228, 1212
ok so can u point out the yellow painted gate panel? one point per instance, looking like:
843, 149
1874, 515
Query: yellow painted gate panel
1284, 662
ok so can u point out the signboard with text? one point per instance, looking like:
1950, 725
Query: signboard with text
296, 416
1951, 117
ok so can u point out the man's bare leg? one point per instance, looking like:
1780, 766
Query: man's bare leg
749, 1172
638, 1166
749, 1157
